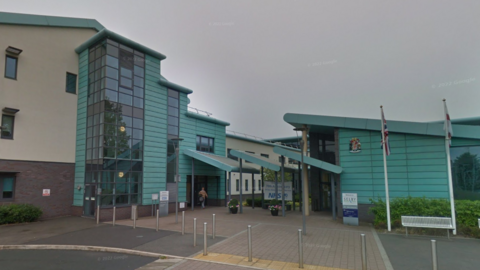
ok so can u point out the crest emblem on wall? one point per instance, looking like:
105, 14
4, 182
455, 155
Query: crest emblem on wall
355, 145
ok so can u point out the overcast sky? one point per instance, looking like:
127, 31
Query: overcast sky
250, 62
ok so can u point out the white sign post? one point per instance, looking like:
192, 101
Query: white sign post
163, 205
269, 191
350, 208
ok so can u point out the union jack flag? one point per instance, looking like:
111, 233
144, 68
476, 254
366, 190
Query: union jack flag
385, 133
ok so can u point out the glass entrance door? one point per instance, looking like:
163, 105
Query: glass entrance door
200, 181
89, 201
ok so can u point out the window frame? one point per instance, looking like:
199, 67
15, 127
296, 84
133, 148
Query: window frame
246, 184
2, 177
199, 145
13, 126
16, 67
66, 83
237, 185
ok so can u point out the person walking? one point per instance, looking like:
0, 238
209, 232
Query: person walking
203, 197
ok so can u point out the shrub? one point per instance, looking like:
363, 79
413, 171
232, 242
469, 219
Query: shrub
233, 203
19, 213
467, 212
258, 202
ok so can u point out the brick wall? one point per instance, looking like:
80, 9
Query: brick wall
33, 177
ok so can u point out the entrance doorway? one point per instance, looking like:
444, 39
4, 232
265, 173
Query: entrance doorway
89, 200
200, 181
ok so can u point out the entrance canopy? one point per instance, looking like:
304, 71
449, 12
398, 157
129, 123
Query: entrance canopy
308, 160
262, 161
223, 163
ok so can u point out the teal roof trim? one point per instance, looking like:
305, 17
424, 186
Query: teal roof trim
432, 129
260, 142
175, 86
308, 160
255, 159
470, 121
51, 21
105, 33
206, 118
220, 162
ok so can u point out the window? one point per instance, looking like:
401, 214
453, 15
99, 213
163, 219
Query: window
253, 153
237, 186
230, 156
71, 86
7, 126
253, 184
7, 184
11, 67
265, 155
205, 144
246, 184
259, 184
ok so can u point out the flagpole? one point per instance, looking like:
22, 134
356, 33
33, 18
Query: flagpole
449, 166
384, 146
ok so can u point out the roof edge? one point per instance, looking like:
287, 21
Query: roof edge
105, 33
206, 118
174, 86
261, 142
11, 18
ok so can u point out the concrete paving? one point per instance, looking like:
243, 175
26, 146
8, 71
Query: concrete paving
72, 260
415, 252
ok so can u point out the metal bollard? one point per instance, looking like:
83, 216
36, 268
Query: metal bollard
434, 255
183, 222
114, 211
249, 229
98, 214
134, 217
213, 226
300, 249
194, 232
158, 215
205, 239
364, 252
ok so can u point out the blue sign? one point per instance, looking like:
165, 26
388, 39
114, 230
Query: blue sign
350, 213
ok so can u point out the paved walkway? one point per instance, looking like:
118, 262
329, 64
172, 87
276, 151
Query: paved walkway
328, 243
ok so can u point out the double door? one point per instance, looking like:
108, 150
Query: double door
90, 200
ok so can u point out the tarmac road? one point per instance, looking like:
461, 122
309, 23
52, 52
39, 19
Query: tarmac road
69, 259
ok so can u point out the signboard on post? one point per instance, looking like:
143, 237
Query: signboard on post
350, 208
269, 191
163, 205
164, 196
154, 197
46, 192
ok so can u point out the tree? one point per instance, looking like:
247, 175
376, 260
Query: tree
466, 172
269, 175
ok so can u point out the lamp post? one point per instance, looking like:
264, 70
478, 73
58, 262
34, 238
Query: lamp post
177, 175
302, 181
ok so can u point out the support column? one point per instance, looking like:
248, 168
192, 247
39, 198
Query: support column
332, 195
263, 195
229, 186
253, 191
241, 186
276, 185
283, 186
193, 184
305, 172
294, 188
299, 184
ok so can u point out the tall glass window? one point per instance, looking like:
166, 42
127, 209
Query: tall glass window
173, 130
115, 122
465, 163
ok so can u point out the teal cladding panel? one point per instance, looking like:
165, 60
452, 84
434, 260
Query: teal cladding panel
155, 135
81, 128
416, 167
189, 129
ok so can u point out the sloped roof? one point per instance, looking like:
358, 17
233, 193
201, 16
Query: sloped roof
326, 124
52, 21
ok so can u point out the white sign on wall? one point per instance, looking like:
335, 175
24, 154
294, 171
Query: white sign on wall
163, 196
349, 199
46, 192
182, 205
154, 197
269, 191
